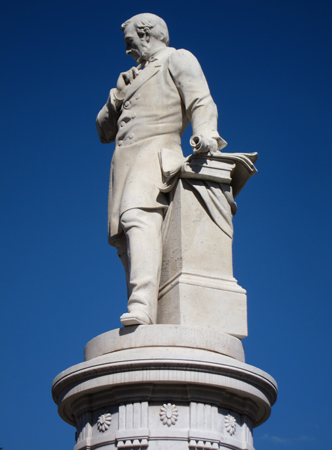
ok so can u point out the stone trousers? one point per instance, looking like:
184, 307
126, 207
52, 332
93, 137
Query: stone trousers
140, 251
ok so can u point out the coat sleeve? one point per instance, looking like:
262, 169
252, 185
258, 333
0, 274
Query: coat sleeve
107, 118
189, 78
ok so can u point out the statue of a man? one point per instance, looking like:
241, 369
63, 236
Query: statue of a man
147, 112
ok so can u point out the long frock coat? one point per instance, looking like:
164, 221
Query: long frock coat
162, 100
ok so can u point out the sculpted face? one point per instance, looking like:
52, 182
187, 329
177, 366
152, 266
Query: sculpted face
136, 46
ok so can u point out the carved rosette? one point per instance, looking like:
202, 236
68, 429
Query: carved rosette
104, 421
169, 414
230, 424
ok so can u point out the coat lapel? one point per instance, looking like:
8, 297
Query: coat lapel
152, 69
142, 78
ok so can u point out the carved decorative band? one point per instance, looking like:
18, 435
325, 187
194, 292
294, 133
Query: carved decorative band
200, 445
201, 279
135, 443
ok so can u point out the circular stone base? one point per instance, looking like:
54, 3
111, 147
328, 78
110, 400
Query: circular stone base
164, 336
150, 395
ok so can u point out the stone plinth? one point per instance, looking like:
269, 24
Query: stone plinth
135, 392
197, 285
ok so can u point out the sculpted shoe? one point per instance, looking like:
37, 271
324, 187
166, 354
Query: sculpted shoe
135, 318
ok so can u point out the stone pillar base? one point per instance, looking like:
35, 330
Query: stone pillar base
217, 303
135, 392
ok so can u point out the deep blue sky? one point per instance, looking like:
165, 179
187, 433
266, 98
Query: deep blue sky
268, 64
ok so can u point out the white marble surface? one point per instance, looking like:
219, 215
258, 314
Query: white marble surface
147, 111
183, 383
161, 397
164, 336
197, 283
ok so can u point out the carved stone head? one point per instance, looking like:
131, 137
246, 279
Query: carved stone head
144, 35
149, 23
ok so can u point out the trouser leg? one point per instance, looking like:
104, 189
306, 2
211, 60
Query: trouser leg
144, 252
121, 246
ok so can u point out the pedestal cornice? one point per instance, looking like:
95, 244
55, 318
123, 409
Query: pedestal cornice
213, 377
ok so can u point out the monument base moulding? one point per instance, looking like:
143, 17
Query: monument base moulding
162, 387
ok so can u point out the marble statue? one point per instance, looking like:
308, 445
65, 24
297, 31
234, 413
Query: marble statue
178, 380
146, 115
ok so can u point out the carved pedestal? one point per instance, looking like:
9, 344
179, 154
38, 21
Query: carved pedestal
197, 285
162, 387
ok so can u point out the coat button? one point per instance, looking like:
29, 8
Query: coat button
126, 104
120, 143
138, 96
122, 124
131, 135
133, 115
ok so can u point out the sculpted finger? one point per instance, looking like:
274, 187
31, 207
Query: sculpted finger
134, 72
126, 77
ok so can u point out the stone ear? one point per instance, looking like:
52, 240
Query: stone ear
147, 33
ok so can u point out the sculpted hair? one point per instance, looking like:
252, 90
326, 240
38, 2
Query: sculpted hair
156, 25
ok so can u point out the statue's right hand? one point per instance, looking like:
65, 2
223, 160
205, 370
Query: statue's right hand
124, 81
204, 144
